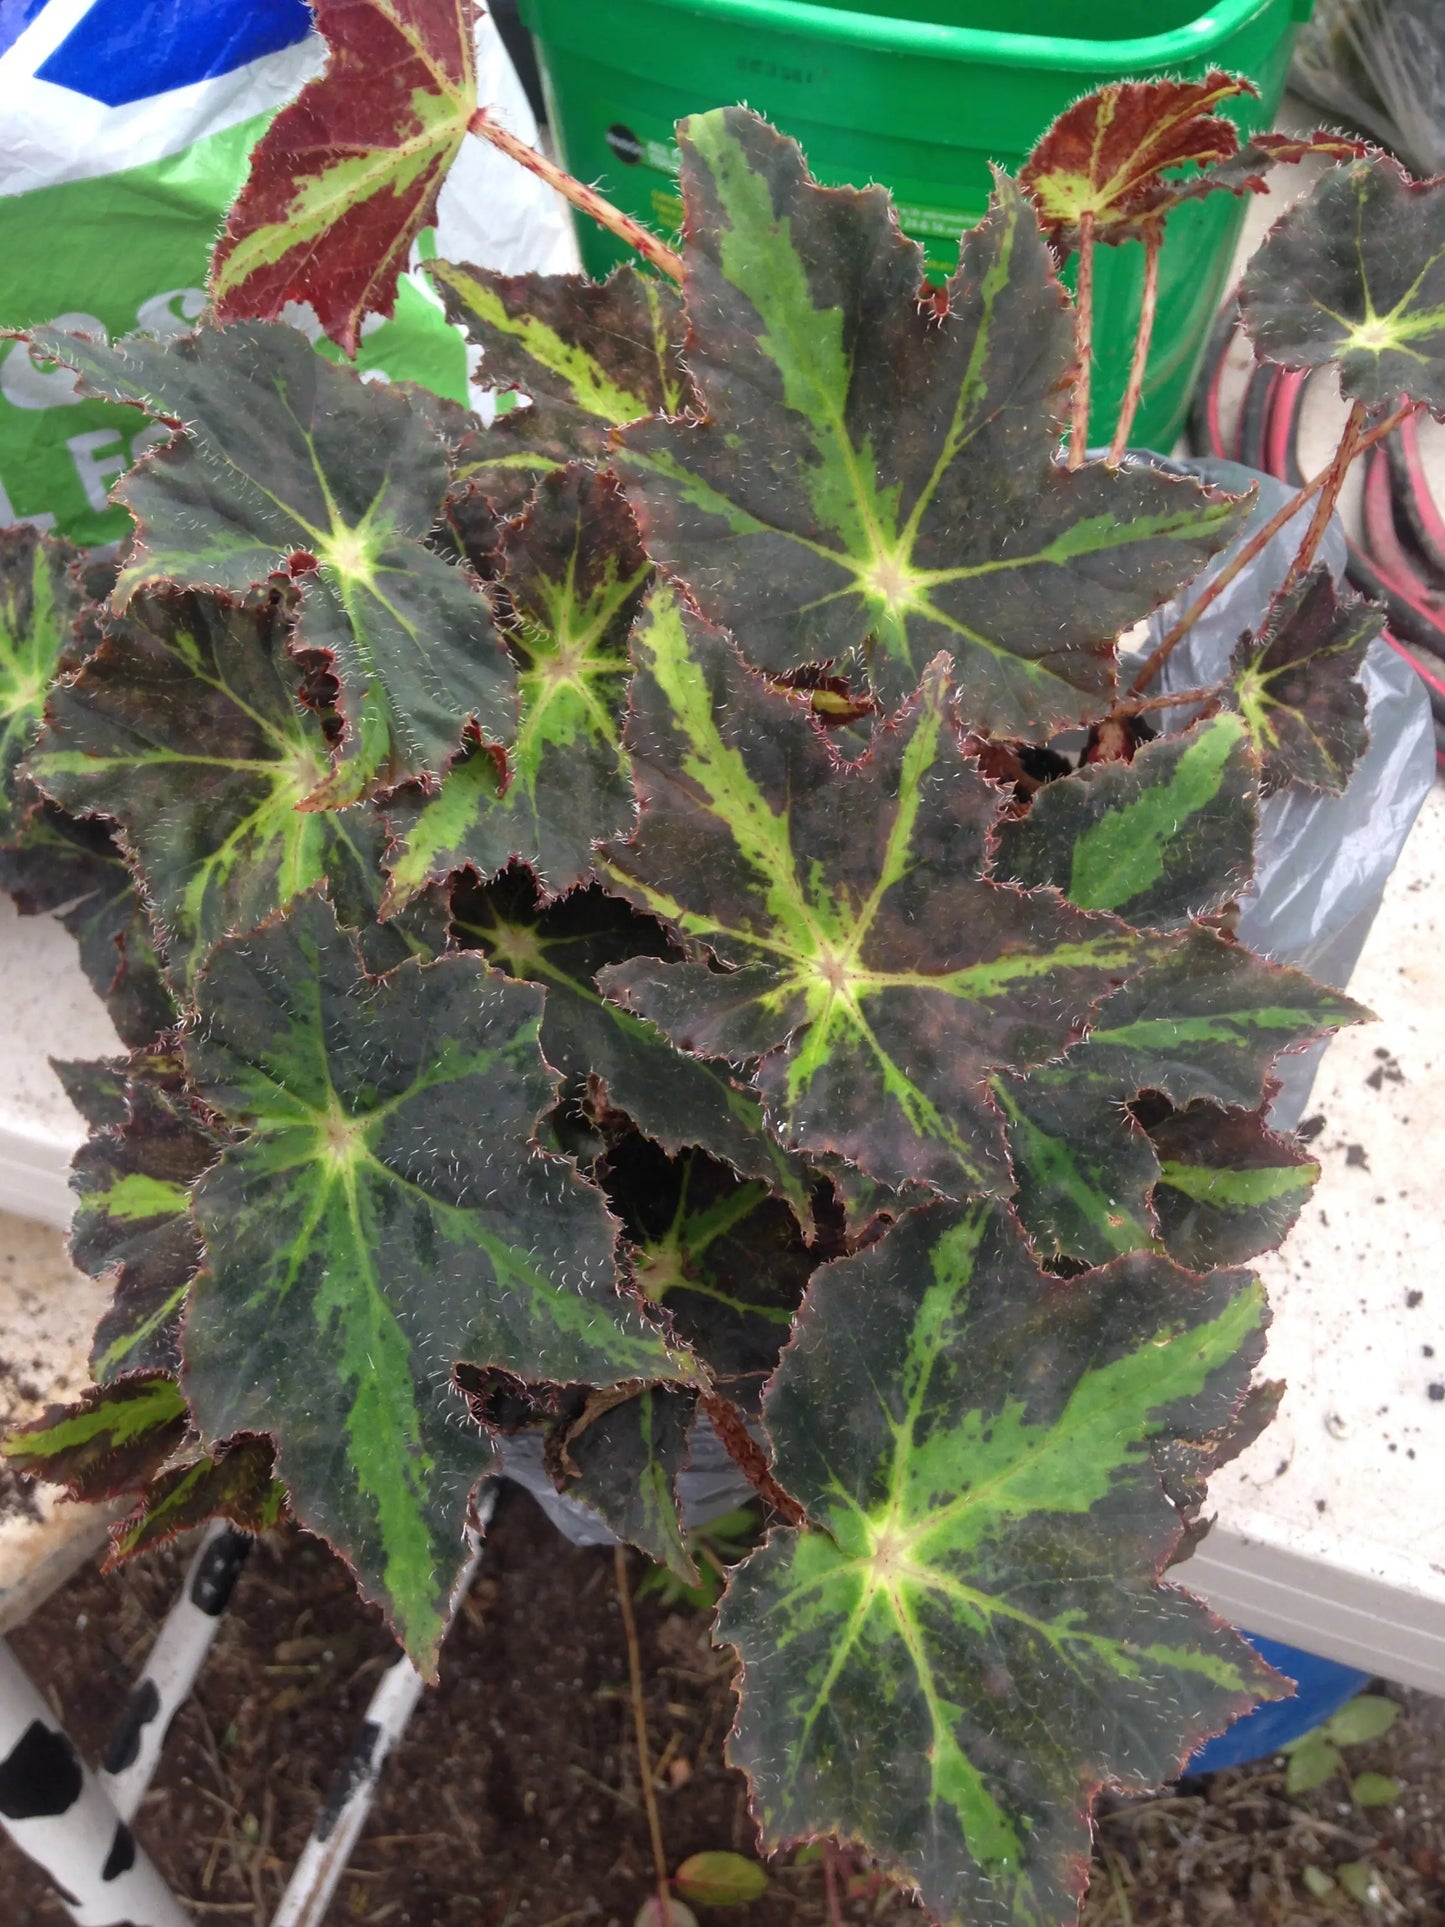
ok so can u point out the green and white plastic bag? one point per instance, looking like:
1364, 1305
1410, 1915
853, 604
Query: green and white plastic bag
125, 130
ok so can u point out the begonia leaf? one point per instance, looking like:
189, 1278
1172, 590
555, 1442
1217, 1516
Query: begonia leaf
184, 727
39, 605
347, 175
969, 1639
1158, 840
108, 1441
1205, 1020
1108, 156
723, 1256
234, 1483
866, 962
871, 472
625, 1462
385, 1216
72, 867
1297, 685
132, 1178
678, 1100
1354, 273
286, 460
591, 357
574, 577
1229, 1187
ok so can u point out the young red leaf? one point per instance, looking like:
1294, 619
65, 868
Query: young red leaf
347, 176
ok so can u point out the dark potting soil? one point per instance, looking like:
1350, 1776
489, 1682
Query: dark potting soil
514, 1798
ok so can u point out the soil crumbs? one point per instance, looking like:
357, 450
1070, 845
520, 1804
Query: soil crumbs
514, 1800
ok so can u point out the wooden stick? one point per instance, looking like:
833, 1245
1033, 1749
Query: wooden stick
1083, 344
1134, 393
1252, 548
586, 199
639, 1722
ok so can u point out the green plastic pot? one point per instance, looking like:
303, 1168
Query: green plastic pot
922, 97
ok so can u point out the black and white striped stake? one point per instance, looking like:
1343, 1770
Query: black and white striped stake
58, 1814
323, 1859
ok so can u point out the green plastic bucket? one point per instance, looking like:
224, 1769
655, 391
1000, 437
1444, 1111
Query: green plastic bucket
922, 98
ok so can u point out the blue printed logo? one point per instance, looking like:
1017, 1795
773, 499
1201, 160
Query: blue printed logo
125, 50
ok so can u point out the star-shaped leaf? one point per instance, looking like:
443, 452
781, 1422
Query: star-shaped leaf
969, 1639
384, 1217
574, 575
678, 1100
1205, 1020
1354, 273
234, 1482
873, 473
132, 1178
591, 357
72, 867
1159, 840
108, 1441
863, 958
184, 727
347, 175
39, 605
1297, 685
288, 461
1107, 158
1229, 1187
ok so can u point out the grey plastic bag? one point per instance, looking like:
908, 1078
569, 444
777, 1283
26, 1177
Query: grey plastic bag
1380, 64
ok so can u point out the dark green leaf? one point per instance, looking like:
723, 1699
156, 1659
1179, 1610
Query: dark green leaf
39, 605
384, 1217
871, 473
1296, 685
626, 1457
1354, 273
111, 1440
1084, 1168
234, 1482
724, 1257
1229, 1188
574, 576
968, 1639
185, 728
859, 946
133, 1179
73, 867
1158, 840
590, 357
286, 456
676, 1099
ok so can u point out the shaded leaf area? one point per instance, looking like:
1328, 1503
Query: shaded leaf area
874, 473
590, 356
286, 459
725, 1259
40, 604
74, 868
1354, 273
1107, 158
624, 1459
234, 1482
347, 175
112, 1439
574, 576
863, 958
149, 1142
1204, 1021
1158, 840
185, 728
630, 1066
385, 1216
969, 1638
1297, 685
1229, 1187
